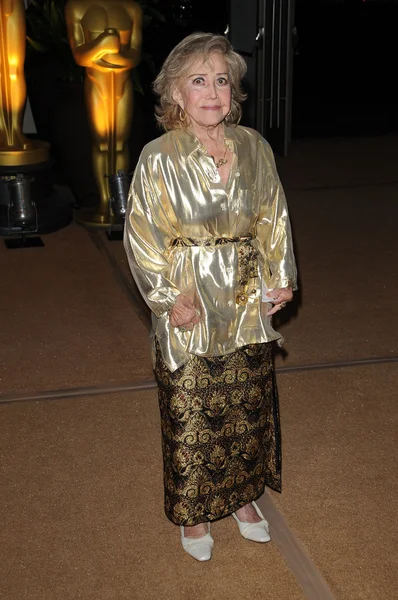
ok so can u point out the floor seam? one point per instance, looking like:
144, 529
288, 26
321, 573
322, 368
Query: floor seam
150, 384
295, 556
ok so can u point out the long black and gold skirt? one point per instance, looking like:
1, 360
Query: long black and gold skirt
220, 433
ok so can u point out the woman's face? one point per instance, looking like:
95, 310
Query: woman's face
205, 92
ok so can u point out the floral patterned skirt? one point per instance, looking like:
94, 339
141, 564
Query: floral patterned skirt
220, 433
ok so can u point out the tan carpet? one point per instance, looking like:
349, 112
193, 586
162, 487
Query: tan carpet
346, 248
340, 475
65, 320
81, 498
81, 507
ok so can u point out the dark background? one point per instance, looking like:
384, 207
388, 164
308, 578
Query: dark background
343, 84
344, 66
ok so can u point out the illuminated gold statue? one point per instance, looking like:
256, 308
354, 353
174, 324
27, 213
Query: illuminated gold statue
15, 148
105, 37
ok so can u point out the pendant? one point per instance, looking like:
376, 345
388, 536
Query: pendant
221, 162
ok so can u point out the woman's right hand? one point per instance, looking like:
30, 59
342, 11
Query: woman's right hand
184, 314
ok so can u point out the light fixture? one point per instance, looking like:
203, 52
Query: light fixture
22, 213
119, 189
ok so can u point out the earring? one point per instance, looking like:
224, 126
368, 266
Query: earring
182, 115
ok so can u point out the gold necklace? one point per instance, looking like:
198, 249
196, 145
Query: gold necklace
221, 161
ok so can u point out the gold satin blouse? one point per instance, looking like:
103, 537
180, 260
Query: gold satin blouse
186, 233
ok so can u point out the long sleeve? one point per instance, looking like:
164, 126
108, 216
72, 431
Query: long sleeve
145, 242
274, 231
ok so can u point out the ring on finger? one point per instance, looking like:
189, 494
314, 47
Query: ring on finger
283, 304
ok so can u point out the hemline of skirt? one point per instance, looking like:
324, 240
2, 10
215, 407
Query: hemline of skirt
213, 519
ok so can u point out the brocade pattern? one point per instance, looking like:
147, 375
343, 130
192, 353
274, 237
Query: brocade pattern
220, 433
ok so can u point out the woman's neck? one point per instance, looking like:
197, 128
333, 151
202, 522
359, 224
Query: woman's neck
209, 136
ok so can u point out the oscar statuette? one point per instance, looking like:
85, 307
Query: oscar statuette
105, 38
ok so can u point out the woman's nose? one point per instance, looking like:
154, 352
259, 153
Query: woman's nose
212, 90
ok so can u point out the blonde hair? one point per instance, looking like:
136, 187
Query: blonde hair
194, 46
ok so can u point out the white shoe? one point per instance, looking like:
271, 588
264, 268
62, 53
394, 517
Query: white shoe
199, 548
256, 532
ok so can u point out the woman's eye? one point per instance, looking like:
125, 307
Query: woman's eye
198, 80
222, 81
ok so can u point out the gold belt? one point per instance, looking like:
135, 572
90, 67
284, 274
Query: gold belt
247, 260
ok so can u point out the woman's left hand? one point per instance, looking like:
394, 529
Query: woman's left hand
279, 297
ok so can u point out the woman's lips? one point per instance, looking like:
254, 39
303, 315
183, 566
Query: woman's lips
211, 107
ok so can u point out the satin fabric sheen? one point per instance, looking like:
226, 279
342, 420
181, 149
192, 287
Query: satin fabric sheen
176, 192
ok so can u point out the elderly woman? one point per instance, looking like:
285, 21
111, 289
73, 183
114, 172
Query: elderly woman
209, 245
